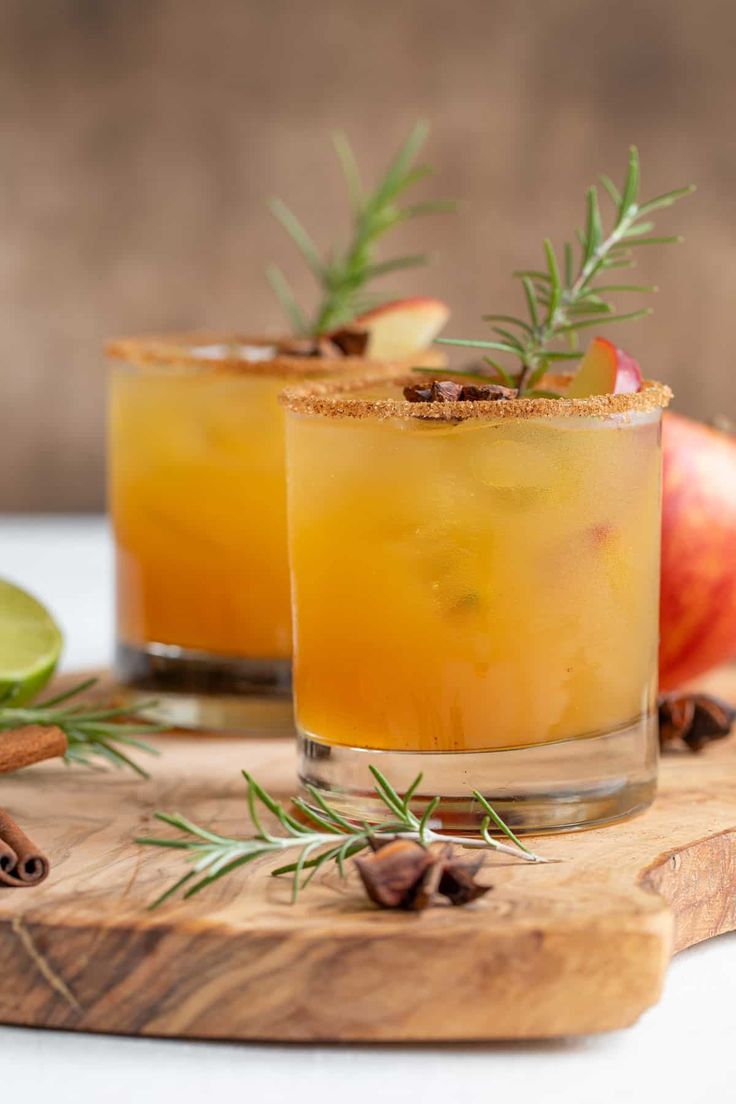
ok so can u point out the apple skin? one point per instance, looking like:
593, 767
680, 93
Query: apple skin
698, 591
414, 303
628, 374
605, 370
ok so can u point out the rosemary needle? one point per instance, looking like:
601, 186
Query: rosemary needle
342, 276
566, 295
93, 733
323, 837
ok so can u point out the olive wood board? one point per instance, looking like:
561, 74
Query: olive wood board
573, 947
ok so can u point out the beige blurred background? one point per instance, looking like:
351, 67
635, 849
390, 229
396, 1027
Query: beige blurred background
140, 139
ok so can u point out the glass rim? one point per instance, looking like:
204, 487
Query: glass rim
184, 351
335, 399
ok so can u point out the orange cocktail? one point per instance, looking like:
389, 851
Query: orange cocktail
197, 495
198, 504
475, 596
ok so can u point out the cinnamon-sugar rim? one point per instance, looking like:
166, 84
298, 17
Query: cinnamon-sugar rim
171, 351
332, 399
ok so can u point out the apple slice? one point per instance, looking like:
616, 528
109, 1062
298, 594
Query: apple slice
402, 328
604, 370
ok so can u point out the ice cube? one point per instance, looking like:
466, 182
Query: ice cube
513, 464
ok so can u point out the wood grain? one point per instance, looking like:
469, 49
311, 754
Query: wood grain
575, 947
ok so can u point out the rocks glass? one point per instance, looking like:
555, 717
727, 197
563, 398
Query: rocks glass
475, 594
198, 504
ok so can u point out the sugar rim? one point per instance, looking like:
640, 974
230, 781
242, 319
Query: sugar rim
331, 399
170, 351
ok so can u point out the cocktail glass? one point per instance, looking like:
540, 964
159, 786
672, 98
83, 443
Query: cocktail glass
198, 504
475, 594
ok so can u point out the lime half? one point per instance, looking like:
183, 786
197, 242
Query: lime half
30, 643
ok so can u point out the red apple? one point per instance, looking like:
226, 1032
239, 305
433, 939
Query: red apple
604, 370
403, 328
698, 597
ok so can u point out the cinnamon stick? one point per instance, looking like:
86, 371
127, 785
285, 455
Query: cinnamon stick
20, 747
21, 862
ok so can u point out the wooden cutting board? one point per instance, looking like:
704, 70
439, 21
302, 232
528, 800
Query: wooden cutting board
579, 946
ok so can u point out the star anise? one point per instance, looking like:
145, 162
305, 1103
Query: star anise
350, 340
694, 719
403, 874
451, 391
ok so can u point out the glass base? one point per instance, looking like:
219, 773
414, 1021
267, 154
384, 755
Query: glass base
553, 787
207, 692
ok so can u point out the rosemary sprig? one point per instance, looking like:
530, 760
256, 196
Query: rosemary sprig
342, 276
566, 296
326, 837
93, 733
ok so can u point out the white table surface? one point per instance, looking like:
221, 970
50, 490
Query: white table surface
681, 1052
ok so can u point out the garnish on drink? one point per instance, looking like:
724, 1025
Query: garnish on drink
379, 330
475, 562
197, 468
570, 294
